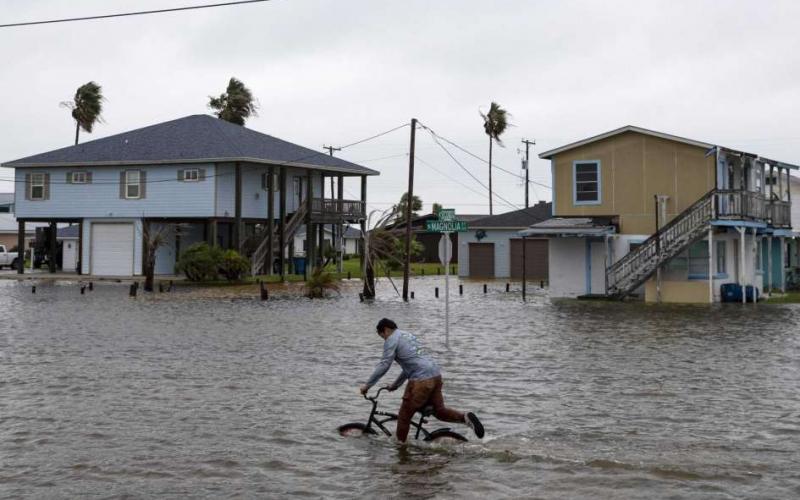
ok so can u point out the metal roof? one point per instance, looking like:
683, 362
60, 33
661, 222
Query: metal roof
192, 139
571, 226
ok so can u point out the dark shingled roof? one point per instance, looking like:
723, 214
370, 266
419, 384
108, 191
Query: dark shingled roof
516, 219
192, 139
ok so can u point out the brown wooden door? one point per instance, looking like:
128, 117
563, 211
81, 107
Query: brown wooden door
481, 260
535, 257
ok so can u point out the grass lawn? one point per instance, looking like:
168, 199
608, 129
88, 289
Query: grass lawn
788, 298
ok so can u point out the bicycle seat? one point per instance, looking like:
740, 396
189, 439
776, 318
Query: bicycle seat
426, 411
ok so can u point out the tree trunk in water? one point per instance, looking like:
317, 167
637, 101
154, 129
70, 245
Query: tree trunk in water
369, 281
149, 269
490, 175
77, 131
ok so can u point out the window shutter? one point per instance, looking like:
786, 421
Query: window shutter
27, 186
263, 181
275, 182
122, 184
142, 184
46, 186
88, 177
181, 174
69, 177
201, 174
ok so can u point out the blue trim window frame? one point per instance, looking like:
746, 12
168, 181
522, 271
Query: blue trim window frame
586, 182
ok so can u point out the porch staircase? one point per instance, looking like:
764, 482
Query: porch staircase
291, 227
632, 270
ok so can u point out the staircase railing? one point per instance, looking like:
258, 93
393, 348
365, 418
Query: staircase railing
295, 221
638, 265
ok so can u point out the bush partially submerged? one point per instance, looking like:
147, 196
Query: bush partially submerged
201, 262
233, 266
319, 283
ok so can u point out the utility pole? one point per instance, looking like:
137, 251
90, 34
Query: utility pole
331, 149
527, 168
409, 198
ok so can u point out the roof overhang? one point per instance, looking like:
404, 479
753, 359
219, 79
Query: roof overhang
343, 171
569, 232
628, 128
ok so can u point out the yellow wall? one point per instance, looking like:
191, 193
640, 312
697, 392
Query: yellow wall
634, 167
680, 292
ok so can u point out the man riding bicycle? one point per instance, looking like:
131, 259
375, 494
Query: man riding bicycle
424, 380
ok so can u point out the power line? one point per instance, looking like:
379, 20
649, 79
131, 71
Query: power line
470, 153
374, 136
128, 14
434, 136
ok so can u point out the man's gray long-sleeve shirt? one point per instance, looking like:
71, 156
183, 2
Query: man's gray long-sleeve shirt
406, 349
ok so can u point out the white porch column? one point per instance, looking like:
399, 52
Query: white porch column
742, 234
768, 277
710, 264
755, 262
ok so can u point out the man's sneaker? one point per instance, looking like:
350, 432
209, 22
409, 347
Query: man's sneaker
473, 423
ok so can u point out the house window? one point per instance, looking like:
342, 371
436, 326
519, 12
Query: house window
132, 184
78, 178
722, 262
37, 186
191, 175
698, 259
586, 189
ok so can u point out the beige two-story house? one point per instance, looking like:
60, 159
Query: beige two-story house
639, 212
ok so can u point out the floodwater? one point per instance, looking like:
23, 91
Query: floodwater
196, 394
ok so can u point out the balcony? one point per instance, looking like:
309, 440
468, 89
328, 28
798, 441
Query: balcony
738, 205
328, 211
780, 213
748, 205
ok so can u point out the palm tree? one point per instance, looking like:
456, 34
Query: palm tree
400, 208
86, 107
236, 105
494, 124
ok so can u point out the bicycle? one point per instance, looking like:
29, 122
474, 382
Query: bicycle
359, 429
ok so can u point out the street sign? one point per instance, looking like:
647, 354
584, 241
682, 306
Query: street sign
445, 249
446, 214
455, 226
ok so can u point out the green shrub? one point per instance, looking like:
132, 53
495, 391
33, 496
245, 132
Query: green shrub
200, 262
233, 266
319, 283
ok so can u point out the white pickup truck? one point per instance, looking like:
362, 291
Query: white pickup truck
7, 258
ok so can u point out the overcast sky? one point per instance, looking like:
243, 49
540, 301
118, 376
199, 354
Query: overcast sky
335, 71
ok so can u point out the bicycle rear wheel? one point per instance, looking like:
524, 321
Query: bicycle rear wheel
355, 429
444, 436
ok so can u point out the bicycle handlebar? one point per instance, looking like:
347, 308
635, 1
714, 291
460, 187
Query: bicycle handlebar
375, 397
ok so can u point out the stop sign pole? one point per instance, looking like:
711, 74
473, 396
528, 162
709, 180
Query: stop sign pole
445, 252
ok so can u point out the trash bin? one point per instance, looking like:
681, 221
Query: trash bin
731, 292
300, 265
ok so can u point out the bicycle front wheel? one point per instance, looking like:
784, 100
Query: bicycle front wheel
445, 436
355, 429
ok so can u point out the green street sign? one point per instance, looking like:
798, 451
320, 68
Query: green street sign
447, 214
453, 226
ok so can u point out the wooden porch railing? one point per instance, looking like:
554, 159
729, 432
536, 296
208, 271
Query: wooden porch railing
780, 213
736, 204
335, 210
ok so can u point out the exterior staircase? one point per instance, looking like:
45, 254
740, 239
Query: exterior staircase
636, 267
294, 222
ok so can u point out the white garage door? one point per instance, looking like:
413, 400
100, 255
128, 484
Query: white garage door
112, 249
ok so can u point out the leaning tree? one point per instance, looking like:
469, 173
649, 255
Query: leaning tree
86, 106
236, 104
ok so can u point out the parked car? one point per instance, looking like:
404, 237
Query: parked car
7, 258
